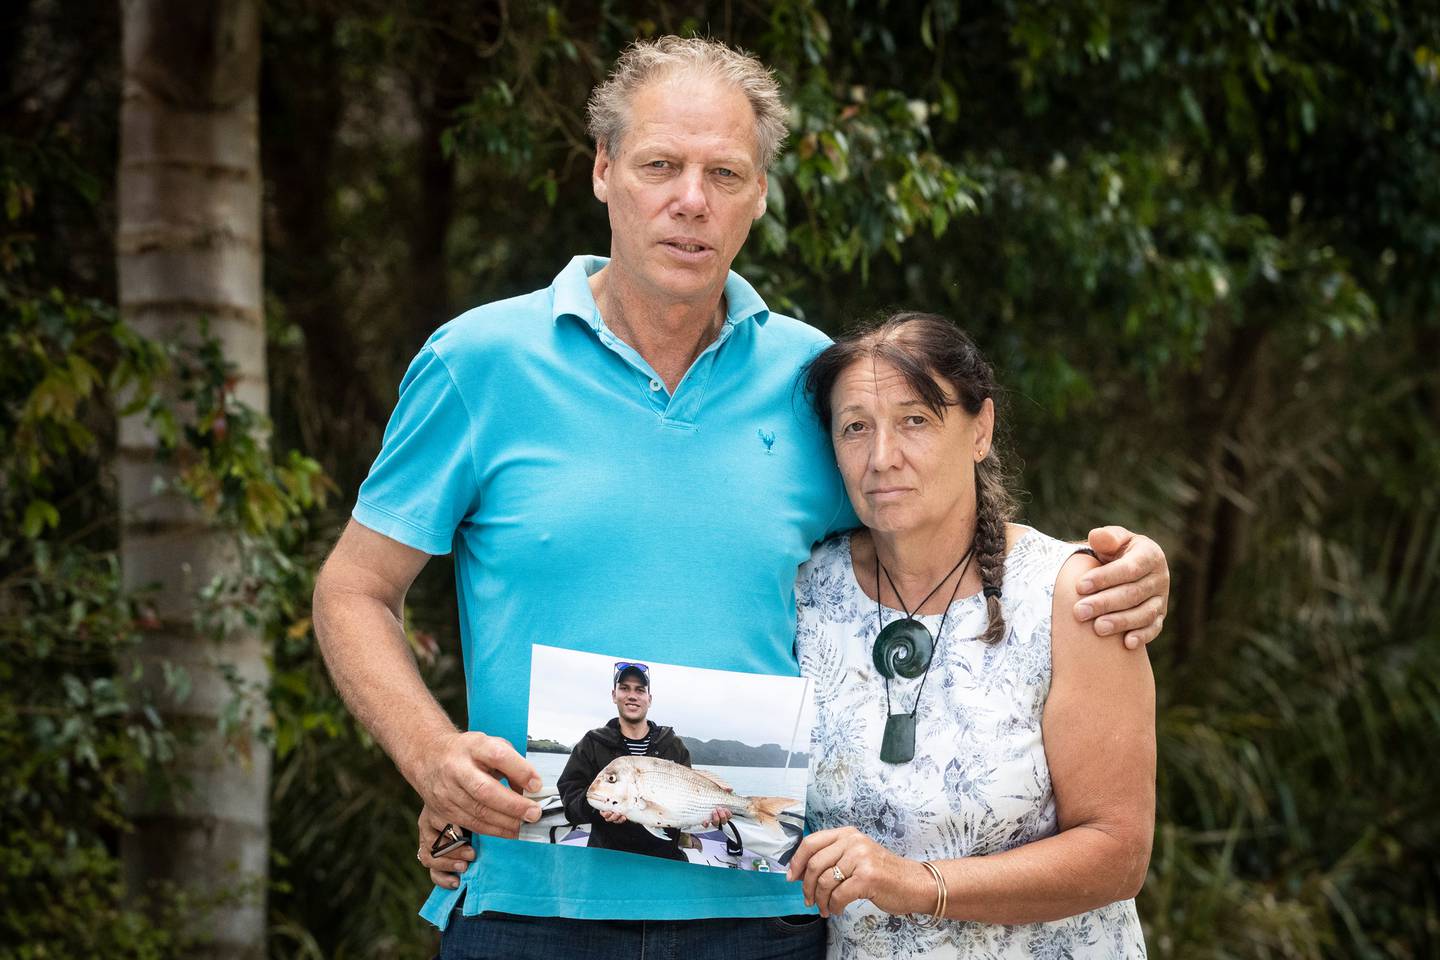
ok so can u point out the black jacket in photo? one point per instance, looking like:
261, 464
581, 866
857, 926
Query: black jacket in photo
596, 749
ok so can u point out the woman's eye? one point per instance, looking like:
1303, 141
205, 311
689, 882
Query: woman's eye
916, 420
854, 427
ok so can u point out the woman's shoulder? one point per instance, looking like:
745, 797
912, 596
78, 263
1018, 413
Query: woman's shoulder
1034, 560
831, 551
829, 563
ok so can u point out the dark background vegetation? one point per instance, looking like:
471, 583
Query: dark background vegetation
1201, 242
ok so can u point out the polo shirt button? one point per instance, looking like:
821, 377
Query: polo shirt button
656, 385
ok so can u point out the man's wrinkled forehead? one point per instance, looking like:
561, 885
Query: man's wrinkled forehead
683, 110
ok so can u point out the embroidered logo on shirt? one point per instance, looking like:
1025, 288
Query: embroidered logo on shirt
767, 437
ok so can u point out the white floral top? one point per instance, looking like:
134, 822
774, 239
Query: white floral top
979, 782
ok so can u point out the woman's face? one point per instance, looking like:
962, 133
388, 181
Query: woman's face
905, 466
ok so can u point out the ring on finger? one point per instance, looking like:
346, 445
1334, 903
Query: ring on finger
837, 873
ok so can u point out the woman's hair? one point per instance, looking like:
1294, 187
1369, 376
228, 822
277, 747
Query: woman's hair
944, 368
608, 112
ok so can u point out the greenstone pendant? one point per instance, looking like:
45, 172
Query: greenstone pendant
903, 649
898, 746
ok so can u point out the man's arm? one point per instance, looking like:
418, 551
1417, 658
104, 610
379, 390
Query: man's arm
1130, 593
358, 605
575, 779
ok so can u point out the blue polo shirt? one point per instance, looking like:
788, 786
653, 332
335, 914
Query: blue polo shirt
589, 508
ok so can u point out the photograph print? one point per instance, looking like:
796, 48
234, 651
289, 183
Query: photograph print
660, 760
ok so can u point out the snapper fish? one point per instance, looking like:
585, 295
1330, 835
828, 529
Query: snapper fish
660, 793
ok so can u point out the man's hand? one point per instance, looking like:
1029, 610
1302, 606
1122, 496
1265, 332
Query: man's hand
610, 816
1130, 593
460, 784
718, 818
445, 871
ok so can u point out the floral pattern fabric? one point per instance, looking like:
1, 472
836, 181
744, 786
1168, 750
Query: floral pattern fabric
978, 784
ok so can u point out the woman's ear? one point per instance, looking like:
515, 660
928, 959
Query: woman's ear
984, 427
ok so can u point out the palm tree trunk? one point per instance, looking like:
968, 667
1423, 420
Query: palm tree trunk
188, 247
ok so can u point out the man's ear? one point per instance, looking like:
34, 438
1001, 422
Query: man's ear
599, 173
760, 201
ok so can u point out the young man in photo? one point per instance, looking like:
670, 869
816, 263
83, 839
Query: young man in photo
629, 734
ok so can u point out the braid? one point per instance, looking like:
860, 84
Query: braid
993, 507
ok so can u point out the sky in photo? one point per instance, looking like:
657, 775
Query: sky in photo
570, 694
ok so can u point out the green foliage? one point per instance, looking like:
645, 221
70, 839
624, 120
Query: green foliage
344, 828
868, 178
75, 729
71, 735
65, 876
1200, 241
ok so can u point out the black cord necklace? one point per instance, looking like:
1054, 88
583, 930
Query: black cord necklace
905, 648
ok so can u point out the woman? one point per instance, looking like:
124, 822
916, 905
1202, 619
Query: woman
983, 774
984, 761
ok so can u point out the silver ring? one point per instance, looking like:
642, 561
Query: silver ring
837, 873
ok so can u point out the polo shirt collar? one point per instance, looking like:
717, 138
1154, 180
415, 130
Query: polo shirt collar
742, 302
573, 297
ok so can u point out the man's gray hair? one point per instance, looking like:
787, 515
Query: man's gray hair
608, 112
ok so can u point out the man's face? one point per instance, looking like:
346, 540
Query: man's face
632, 699
683, 188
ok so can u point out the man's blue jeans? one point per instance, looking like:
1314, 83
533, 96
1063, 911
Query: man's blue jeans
493, 936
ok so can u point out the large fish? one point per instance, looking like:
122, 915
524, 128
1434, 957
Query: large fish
658, 793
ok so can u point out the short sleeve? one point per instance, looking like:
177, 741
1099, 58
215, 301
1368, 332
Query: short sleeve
422, 484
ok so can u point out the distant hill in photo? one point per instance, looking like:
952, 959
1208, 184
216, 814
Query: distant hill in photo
733, 753
714, 753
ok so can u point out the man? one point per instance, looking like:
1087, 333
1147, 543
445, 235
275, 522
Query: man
620, 455
630, 734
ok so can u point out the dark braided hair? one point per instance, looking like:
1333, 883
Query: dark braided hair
937, 360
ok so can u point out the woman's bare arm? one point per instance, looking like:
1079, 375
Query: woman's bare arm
1099, 728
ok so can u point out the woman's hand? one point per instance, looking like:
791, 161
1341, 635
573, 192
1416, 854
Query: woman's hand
444, 871
871, 872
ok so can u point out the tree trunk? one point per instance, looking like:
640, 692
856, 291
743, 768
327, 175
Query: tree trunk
437, 93
188, 247
330, 404
1214, 525
430, 303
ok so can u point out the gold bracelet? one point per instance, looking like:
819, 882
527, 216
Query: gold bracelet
942, 897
